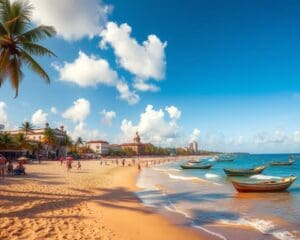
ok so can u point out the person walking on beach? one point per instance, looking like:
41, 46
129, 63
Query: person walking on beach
2, 165
123, 162
78, 166
139, 167
69, 165
61, 161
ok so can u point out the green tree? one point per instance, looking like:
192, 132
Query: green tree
26, 127
6, 141
20, 141
18, 42
49, 139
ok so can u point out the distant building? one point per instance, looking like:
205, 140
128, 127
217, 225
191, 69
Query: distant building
115, 147
36, 136
136, 146
99, 147
194, 146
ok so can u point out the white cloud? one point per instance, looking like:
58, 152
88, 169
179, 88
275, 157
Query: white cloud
126, 94
195, 135
145, 61
3, 114
81, 130
173, 112
78, 112
108, 117
72, 19
296, 136
53, 110
39, 118
145, 87
153, 127
87, 71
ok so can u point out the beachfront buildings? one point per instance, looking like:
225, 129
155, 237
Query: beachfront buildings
194, 146
136, 146
99, 147
37, 137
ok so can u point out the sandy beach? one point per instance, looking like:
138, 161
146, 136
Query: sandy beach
96, 202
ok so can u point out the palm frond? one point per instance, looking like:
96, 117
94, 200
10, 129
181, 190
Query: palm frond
39, 33
36, 49
4, 60
14, 73
2, 30
35, 67
5, 10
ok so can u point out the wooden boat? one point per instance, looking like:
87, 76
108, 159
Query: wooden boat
289, 162
196, 166
265, 186
244, 172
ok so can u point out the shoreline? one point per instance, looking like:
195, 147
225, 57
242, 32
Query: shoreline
96, 202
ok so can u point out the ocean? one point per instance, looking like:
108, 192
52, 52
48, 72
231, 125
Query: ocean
206, 199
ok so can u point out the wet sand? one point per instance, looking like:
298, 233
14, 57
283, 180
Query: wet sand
96, 202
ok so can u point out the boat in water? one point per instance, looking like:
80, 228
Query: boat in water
264, 186
244, 172
289, 162
195, 166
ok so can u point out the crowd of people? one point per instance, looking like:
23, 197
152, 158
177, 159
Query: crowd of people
7, 167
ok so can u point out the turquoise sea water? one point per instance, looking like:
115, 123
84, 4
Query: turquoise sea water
206, 199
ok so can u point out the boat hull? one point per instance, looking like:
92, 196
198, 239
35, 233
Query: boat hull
262, 187
282, 163
196, 167
244, 173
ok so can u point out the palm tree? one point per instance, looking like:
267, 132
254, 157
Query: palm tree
6, 140
18, 42
26, 127
20, 141
49, 139
78, 142
66, 142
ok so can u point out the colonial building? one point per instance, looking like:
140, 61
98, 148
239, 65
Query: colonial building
136, 146
98, 147
36, 136
115, 147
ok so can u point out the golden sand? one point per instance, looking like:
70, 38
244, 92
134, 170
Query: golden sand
96, 202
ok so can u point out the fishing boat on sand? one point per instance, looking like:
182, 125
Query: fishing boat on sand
289, 162
265, 186
244, 172
196, 166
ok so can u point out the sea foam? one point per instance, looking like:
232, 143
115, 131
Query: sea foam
264, 226
211, 175
179, 177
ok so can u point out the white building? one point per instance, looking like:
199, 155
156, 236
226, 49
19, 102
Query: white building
194, 146
37, 136
99, 147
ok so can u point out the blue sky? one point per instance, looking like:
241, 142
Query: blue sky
224, 73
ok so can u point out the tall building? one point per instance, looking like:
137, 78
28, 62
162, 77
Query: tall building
99, 147
194, 146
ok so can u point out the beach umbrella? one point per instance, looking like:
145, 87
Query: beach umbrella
23, 159
69, 158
